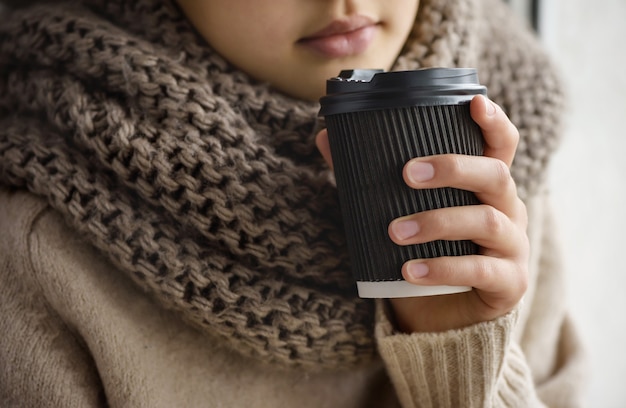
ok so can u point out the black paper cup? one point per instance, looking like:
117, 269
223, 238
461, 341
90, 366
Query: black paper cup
377, 121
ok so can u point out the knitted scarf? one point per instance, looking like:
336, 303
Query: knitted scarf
203, 185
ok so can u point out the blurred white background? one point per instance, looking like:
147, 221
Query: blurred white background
588, 41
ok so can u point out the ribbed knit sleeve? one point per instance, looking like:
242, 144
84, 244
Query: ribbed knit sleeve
478, 366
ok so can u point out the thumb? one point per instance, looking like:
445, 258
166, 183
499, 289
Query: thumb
501, 136
321, 141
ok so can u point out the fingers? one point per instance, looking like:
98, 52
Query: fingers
489, 178
504, 278
499, 273
482, 224
321, 141
501, 136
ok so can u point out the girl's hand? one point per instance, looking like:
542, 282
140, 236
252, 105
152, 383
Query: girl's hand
499, 273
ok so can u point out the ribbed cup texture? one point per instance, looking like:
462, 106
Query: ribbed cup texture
369, 150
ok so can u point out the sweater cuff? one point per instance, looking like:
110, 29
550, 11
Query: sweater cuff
454, 368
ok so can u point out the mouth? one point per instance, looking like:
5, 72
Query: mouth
342, 37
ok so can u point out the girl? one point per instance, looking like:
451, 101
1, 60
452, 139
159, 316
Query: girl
172, 235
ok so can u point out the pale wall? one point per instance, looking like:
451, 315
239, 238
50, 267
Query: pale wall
588, 40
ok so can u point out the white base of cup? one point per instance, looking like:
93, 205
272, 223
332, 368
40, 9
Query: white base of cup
402, 288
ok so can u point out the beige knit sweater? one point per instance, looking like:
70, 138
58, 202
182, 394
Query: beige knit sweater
135, 274
77, 333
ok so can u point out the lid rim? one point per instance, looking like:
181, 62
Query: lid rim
355, 102
377, 89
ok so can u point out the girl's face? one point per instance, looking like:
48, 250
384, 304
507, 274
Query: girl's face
296, 45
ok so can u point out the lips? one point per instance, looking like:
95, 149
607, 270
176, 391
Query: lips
342, 37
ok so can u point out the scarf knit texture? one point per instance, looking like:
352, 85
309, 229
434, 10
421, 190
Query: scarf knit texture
203, 185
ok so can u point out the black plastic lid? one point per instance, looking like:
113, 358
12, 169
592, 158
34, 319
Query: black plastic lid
373, 89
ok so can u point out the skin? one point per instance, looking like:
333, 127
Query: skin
264, 39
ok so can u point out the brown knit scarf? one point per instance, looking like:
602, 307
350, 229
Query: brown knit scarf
204, 186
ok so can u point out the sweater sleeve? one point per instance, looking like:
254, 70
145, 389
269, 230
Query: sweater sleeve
477, 366
531, 357
42, 362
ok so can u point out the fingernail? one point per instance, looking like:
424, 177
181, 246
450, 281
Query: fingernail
419, 171
417, 270
405, 229
490, 107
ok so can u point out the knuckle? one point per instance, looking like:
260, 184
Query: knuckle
450, 166
502, 175
455, 167
513, 133
523, 281
483, 269
522, 209
445, 269
493, 221
519, 286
